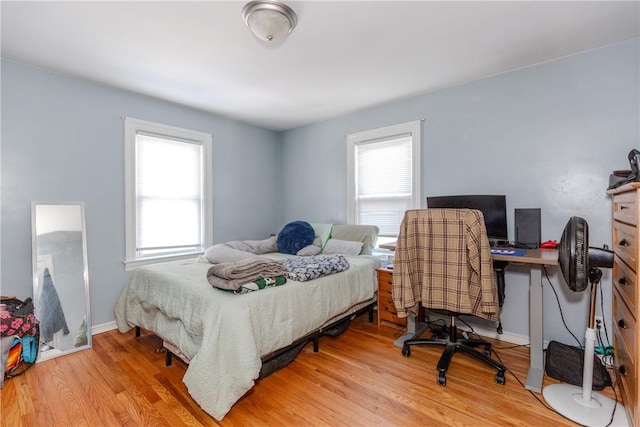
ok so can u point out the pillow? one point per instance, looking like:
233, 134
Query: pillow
220, 253
367, 234
324, 231
313, 249
344, 247
295, 236
257, 247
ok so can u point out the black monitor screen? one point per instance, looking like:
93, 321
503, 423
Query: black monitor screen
494, 209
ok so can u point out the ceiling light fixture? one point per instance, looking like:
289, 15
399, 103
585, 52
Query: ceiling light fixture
270, 21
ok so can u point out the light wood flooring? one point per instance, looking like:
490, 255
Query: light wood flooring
357, 379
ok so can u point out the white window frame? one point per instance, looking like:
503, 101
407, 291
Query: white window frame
134, 126
412, 129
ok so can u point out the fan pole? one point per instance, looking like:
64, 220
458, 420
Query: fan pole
586, 408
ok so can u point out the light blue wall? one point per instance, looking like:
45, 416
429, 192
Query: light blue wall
547, 137
62, 140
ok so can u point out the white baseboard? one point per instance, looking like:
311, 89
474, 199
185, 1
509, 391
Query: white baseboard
105, 327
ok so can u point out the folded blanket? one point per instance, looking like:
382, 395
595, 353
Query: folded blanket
232, 275
256, 285
308, 268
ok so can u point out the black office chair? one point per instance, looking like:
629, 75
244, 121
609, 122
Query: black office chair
452, 344
424, 228
498, 268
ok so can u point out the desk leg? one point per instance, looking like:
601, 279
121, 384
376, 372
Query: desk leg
536, 353
415, 328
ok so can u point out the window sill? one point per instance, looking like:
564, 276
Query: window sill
133, 264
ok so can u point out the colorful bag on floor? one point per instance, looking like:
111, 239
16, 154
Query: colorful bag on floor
17, 317
15, 356
17, 320
23, 354
30, 349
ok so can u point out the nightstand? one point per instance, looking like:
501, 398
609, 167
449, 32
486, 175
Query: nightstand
386, 310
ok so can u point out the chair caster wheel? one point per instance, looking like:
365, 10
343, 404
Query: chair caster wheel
442, 379
487, 351
406, 350
500, 378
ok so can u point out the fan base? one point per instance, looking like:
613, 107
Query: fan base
567, 401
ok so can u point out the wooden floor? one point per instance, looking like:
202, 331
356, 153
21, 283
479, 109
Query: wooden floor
357, 379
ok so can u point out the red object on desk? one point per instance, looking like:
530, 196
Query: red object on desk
549, 244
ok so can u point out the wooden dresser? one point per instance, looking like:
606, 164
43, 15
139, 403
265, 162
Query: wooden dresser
386, 310
626, 236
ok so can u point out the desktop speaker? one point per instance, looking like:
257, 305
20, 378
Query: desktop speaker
528, 227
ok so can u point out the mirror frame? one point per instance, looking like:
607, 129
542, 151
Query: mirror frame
50, 354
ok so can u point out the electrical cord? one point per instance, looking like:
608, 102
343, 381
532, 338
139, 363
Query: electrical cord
610, 357
520, 245
542, 402
604, 325
545, 404
546, 273
613, 386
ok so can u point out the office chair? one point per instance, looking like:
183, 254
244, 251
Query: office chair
443, 261
498, 268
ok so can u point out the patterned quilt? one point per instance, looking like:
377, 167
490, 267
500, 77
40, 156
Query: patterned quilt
312, 267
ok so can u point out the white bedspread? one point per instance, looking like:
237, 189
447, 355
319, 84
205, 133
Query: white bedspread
225, 335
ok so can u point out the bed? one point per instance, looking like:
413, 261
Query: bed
225, 337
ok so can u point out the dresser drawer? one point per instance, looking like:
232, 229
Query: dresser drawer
624, 242
625, 281
385, 280
386, 310
625, 207
624, 324
627, 379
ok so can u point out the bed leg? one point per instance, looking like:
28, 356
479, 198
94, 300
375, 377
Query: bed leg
168, 359
371, 314
316, 344
137, 331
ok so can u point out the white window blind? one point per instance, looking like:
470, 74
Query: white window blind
384, 176
168, 195
384, 183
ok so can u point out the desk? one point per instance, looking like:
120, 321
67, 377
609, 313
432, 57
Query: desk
536, 259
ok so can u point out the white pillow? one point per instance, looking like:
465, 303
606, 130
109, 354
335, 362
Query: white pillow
344, 247
324, 231
312, 249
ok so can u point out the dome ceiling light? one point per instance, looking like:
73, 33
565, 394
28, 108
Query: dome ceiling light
270, 21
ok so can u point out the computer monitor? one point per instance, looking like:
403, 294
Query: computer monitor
493, 208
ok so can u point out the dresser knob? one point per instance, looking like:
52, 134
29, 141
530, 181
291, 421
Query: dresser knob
622, 324
622, 281
623, 207
622, 370
623, 242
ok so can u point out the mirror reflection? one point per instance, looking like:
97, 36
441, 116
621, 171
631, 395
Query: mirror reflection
61, 287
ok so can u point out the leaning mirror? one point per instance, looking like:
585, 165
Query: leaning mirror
60, 278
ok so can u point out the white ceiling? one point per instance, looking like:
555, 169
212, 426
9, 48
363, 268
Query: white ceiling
343, 56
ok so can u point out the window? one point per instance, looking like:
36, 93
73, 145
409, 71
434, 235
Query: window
168, 192
384, 176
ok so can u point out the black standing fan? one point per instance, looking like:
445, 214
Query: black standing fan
580, 267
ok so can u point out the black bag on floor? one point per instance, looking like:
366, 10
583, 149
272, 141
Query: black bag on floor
565, 363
